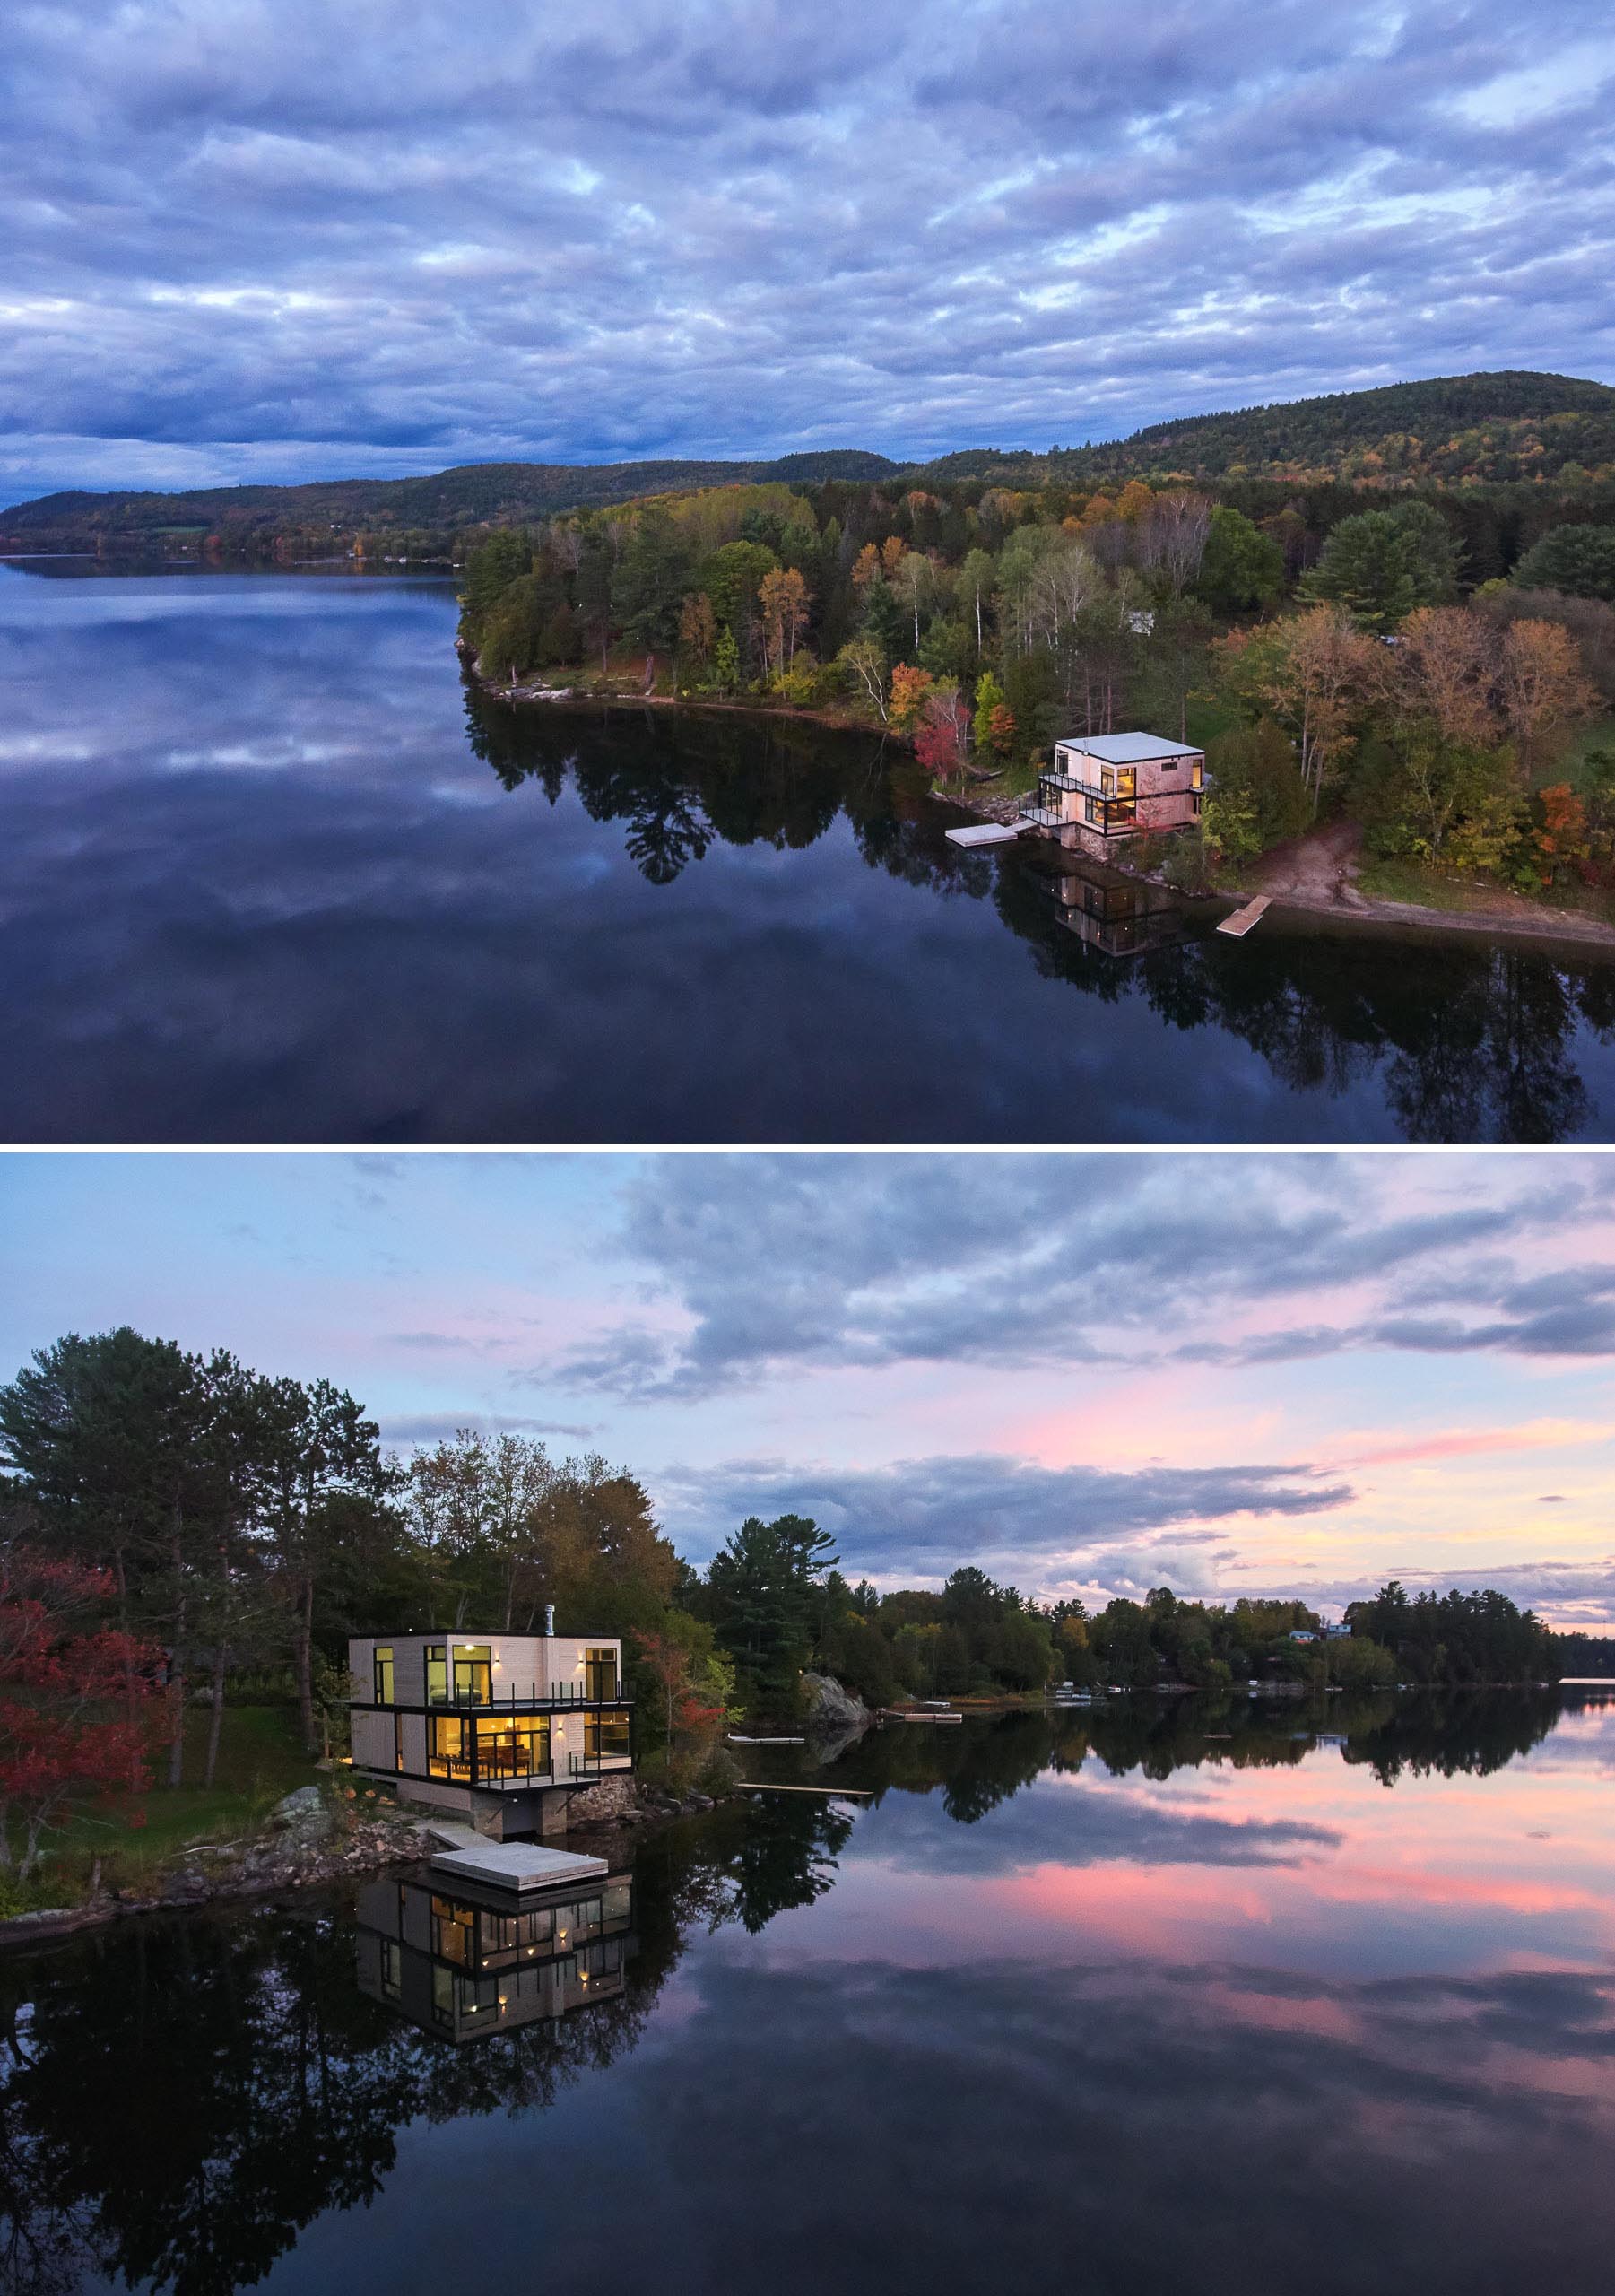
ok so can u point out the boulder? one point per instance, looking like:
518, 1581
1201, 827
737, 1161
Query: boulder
835, 1718
305, 1809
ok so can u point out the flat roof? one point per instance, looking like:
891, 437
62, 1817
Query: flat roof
1126, 748
517, 1864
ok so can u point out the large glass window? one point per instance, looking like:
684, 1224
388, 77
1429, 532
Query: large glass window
605, 1736
1197, 773
448, 1748
437, 1674
397, 1742
381, 1675
391, 1968
473, 1674
513, 1746
599, 1673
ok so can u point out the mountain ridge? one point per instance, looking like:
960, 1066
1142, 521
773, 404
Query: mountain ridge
1506, 427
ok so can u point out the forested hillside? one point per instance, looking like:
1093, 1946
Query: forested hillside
1502, 436
476, 494
1498, 429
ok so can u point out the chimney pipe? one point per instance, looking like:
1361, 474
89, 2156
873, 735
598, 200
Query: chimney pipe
548, 1622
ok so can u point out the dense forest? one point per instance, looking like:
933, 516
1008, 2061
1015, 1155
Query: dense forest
1337, 661
1531, 447
177, 1530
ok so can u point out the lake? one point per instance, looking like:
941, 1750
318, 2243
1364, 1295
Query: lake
269, 872
1174, 1994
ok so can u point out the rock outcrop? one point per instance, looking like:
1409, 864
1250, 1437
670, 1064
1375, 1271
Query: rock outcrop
835, 1719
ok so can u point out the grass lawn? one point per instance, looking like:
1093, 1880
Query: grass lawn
260, 1760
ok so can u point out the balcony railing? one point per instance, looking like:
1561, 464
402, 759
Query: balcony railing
530, 1695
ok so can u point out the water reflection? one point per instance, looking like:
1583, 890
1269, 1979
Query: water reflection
267, 871
1175, 1989
467, 1963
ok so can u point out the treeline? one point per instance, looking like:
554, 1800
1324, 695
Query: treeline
1343, 667
245, 1526
230, 1525
779, 1604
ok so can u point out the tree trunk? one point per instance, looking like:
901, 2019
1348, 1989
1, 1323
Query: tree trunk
305, 1667
216, 1719
177, 1686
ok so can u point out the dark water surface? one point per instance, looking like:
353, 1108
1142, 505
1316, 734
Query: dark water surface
1200, 1997
267, 873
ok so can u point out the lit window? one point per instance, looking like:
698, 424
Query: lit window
381, 1675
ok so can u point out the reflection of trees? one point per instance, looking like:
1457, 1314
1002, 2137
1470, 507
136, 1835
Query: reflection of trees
1453, 1732
976, 1767
1470, 1042
190, 2093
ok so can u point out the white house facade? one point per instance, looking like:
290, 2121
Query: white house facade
500, 1729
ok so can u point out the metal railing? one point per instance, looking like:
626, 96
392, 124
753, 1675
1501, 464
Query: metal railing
564, 1694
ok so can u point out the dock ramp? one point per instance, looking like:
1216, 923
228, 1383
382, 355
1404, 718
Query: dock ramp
1240, 923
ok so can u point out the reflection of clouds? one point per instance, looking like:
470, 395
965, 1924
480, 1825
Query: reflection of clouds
1115, 2129
369, 940
1069, 1825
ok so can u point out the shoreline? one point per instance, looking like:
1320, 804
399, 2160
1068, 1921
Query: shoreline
1508, 918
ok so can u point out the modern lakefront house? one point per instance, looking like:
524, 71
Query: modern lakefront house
1102, 787
501, 1729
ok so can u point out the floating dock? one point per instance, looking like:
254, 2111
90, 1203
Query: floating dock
518, 1865
985, 833
1240, 923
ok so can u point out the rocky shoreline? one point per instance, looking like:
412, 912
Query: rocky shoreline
314, 1838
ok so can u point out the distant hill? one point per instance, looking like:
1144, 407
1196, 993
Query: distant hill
476, 494
1454, 430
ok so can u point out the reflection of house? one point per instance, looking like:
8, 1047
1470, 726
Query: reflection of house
1119, 915
466, 1962
1102, 787
504, 1729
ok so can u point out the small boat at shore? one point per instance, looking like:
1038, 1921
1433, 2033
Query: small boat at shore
919, 1714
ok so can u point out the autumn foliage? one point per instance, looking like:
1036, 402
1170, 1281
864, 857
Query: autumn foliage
80, 1704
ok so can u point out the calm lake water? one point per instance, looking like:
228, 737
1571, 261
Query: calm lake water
1191, 1995
267, 873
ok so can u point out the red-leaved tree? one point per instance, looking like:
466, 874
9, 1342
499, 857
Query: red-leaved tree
942, 736
672, 1667
80, 1703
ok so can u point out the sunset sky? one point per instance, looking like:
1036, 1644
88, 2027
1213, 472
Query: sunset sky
1086, 1373
355, 237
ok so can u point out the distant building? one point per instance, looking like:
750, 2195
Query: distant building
502, 1729
1304, 1634
1103, 787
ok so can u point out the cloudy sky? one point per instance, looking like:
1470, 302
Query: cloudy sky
1085, 1372
366, 236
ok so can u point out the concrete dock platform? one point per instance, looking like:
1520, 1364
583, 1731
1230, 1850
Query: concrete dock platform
518, 1865
985, 833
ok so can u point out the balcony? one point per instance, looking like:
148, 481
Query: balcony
534, 1697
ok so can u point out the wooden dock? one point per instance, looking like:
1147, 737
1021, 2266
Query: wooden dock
985, 833
825, 1792
1240, 923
